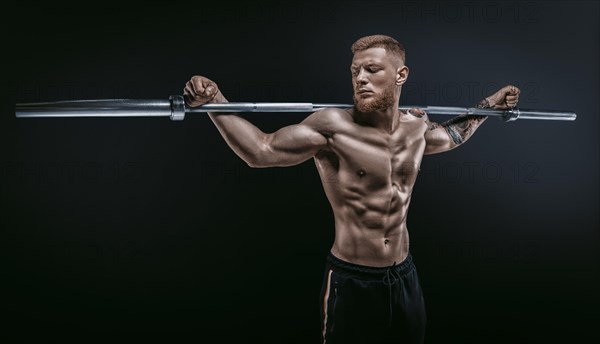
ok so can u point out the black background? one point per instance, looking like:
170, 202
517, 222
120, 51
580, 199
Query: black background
145, 229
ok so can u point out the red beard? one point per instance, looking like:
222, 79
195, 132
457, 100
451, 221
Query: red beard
375, 102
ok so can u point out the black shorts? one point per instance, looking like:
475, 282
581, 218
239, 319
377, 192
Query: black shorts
371, 305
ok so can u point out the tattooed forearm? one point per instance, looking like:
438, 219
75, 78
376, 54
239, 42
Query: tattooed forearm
462, 127
484, 104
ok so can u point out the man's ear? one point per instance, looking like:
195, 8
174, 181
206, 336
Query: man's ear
401, 75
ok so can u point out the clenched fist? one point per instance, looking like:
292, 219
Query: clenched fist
507, 97
200, 90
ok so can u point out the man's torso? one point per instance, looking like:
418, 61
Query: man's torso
368, 176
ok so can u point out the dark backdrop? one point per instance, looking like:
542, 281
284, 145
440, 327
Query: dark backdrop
147, 229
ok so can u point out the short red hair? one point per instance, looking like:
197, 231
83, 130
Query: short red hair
391, 45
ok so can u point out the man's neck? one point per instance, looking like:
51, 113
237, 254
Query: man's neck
386, 120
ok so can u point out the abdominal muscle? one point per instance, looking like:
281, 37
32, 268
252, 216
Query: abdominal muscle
372, 231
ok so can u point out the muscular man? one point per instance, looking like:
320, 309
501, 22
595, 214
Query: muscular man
368, 158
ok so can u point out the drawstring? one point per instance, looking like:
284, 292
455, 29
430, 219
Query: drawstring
390, 278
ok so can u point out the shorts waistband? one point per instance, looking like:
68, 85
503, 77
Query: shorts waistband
342, 266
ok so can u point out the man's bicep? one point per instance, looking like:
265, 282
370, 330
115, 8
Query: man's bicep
291, 145
296, 139
297, 143
437, 138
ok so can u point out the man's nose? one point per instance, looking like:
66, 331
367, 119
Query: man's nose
361, 78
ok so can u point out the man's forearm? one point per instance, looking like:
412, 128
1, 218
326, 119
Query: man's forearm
461, 128
244, 138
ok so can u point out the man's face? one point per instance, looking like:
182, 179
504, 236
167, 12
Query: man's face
374, 79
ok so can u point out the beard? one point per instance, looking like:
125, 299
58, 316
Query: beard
376, 102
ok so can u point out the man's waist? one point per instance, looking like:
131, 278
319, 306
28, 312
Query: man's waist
344, 267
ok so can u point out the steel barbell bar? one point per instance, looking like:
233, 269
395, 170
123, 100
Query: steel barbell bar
176, 108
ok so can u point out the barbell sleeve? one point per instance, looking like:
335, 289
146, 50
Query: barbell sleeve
176, 109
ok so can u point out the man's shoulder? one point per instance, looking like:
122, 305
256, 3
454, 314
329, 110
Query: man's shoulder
417, 113
336, 115
330, 119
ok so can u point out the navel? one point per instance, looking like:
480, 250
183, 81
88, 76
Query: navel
361, 173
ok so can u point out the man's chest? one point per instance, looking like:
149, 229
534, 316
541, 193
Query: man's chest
375, 157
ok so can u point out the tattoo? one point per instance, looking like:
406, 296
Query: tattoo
432, 126
462, 127
484, 104
453, 131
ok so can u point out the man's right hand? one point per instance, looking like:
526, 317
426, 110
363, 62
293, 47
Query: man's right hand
200, 90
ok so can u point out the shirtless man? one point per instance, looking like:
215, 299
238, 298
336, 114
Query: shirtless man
368, 158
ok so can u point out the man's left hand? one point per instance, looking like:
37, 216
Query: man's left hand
507, 97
